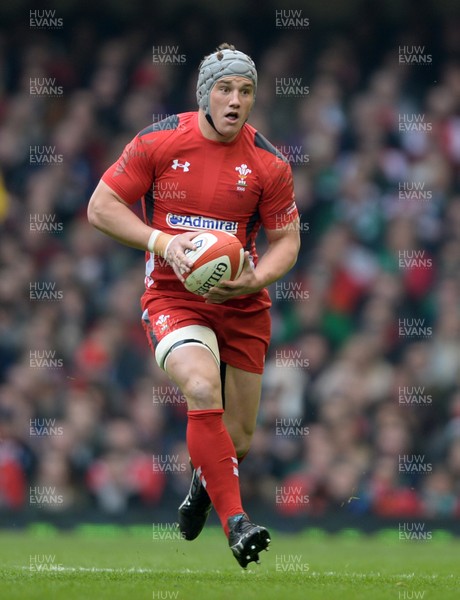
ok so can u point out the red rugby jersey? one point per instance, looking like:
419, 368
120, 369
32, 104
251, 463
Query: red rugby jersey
188, 182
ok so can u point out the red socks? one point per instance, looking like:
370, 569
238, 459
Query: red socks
214, 458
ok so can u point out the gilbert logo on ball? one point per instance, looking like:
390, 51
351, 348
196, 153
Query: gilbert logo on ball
218, 256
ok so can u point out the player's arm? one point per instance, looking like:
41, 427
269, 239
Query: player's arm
112, 215
280, 257
109, 213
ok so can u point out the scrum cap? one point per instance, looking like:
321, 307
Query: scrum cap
222, 63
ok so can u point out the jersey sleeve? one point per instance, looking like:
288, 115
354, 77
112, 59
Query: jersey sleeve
277, 207
131, 175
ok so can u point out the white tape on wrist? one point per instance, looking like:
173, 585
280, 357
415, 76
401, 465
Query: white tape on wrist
167, 246
152, 239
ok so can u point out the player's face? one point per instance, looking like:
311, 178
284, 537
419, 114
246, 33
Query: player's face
230, 103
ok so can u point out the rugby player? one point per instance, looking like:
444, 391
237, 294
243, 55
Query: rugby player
213, 347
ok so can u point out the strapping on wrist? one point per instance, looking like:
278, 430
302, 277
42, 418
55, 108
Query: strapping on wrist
158, 242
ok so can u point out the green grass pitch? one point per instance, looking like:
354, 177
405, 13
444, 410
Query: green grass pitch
137, 563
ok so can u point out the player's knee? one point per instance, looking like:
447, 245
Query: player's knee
202, 393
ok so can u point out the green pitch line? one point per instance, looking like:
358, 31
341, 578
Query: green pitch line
111, 563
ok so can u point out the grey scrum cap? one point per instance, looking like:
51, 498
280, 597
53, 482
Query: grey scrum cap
212, 68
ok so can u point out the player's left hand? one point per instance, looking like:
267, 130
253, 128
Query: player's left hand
247, 283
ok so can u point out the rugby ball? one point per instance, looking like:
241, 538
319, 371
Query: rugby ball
218, 256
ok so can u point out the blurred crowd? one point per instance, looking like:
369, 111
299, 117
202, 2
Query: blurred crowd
360, 409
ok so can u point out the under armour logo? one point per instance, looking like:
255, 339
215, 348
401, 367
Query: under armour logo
185, 166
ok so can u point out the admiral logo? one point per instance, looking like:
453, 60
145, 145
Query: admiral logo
200, 222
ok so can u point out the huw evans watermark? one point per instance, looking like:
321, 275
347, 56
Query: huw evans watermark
284, 221
45, 19
291, 495
291, 358
168, 190
414, 55
166, 532
414, 328
39, 359
291, 19
291, 290
168, 463
291, 563
408, 259
45, 223
44, 427
44, 290
44, 155
165, 595
42, 563
45, 86
414, 463
291, 87
411, 594
413, 190
167, 394
290, 427
409, 395
413, 122
44, 496
293, 154
414, 531
168, 55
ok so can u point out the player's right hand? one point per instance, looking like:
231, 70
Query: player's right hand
175, 253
